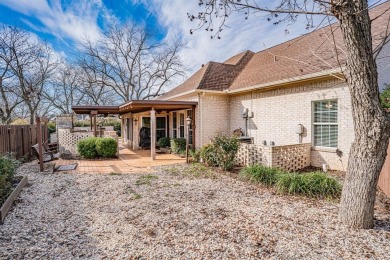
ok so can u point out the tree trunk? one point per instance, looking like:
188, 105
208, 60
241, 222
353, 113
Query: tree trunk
368, 150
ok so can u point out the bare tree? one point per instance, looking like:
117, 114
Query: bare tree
126, 60
9, 100
371, 126
65, 88
31, 62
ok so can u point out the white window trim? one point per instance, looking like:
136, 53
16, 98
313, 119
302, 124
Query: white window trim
318, 147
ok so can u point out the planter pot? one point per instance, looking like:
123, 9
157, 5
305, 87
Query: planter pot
11, 198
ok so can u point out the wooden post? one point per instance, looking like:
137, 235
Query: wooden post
94, 113
193, 127
90, 120
40, 148
153, 134
187, 140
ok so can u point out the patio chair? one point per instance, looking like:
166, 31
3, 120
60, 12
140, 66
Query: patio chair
47, 155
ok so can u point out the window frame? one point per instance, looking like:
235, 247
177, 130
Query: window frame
313, 123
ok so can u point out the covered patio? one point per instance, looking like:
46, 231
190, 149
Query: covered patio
173, 119
128, 161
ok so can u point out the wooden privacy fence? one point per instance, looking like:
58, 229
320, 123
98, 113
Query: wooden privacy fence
18, 139
384, 178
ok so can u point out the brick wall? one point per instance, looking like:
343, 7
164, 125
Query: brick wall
278, 112
215, 116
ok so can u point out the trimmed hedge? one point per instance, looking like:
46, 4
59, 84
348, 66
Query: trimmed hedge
312, 184
93, 147
87, 147
106, 147
164, 142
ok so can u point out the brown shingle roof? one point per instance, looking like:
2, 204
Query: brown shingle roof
310, 53
212, 76
317, 51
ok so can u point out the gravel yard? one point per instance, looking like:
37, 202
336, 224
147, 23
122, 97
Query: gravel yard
171, 215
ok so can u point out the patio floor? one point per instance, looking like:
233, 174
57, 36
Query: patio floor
128, 162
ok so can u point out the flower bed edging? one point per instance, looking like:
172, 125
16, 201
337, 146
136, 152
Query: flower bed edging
11, 198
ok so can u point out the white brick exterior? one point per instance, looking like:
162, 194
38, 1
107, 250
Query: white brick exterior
278, 112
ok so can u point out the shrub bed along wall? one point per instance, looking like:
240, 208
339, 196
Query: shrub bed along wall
313, 184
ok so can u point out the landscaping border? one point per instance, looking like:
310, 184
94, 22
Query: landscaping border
11, 198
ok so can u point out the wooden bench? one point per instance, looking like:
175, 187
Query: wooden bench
47, 155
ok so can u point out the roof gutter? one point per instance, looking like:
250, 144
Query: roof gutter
336, 73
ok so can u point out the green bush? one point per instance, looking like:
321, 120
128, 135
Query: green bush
314, 184
164, 142
209, 155
106, 147
178, 145
221, 152
87, 147
51, 127
195, 154
261, 174
8, 168
93, 147
82, 123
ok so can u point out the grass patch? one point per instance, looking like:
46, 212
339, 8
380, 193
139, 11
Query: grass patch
146, 179
258, 173
114, 173
193, 170
310, 184
136, 196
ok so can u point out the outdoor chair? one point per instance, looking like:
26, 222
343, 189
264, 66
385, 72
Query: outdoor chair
47, 155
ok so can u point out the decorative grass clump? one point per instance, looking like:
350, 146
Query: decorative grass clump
261, 174
313, 184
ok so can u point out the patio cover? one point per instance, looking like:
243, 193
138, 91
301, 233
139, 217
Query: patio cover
135, 106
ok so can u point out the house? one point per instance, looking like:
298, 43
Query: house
291, 101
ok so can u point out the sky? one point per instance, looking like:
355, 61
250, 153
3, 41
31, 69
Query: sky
66, 23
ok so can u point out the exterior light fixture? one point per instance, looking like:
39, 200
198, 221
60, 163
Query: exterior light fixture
188, 120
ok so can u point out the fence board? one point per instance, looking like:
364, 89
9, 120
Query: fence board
18, 139
384, 177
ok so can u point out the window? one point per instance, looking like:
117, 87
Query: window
161, 127
325, 127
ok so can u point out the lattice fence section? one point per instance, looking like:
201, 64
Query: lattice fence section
251, 154
291, 157
287, 157
68, 140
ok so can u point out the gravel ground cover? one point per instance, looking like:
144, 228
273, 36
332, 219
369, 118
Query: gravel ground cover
174, 214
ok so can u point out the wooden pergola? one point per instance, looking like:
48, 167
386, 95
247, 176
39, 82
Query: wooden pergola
138, 106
